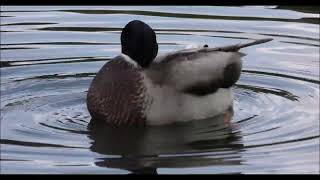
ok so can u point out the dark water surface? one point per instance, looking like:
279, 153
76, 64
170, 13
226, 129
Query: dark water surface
49, 56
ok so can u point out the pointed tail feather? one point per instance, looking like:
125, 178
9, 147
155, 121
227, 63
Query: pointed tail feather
234, 48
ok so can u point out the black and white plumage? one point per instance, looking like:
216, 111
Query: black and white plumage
135, 88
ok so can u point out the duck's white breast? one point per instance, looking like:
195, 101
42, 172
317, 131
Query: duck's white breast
165, 105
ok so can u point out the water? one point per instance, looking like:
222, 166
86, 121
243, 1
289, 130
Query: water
49, 56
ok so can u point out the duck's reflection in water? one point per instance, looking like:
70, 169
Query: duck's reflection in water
210, 142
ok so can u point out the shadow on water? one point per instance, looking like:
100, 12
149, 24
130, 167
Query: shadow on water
144, 150
304, 9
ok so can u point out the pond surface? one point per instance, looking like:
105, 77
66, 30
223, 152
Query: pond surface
49, 56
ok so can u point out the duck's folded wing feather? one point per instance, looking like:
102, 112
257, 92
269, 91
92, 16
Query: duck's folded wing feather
230, 48
199, 71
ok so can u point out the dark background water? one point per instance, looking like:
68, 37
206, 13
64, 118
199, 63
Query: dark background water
49, 56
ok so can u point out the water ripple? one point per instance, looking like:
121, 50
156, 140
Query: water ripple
49, 56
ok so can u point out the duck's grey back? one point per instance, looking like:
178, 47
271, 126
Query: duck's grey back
116, 94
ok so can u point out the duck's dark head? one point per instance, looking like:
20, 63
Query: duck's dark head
139, 42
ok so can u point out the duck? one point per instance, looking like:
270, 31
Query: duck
139, 88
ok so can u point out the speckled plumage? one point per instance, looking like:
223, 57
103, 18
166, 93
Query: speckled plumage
116, 94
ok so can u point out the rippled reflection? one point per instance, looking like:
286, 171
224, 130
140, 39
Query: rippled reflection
205, 143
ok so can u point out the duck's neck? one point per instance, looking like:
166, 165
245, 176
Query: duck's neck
129, 60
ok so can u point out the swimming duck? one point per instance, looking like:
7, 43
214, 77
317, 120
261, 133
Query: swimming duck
137, 88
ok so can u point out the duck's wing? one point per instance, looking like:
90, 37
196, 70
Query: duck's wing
185, 52
199, 71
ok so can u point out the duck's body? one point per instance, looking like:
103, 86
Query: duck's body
180, 86
123, 93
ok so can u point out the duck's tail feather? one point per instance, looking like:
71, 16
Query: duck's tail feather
259, 41
236, 47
